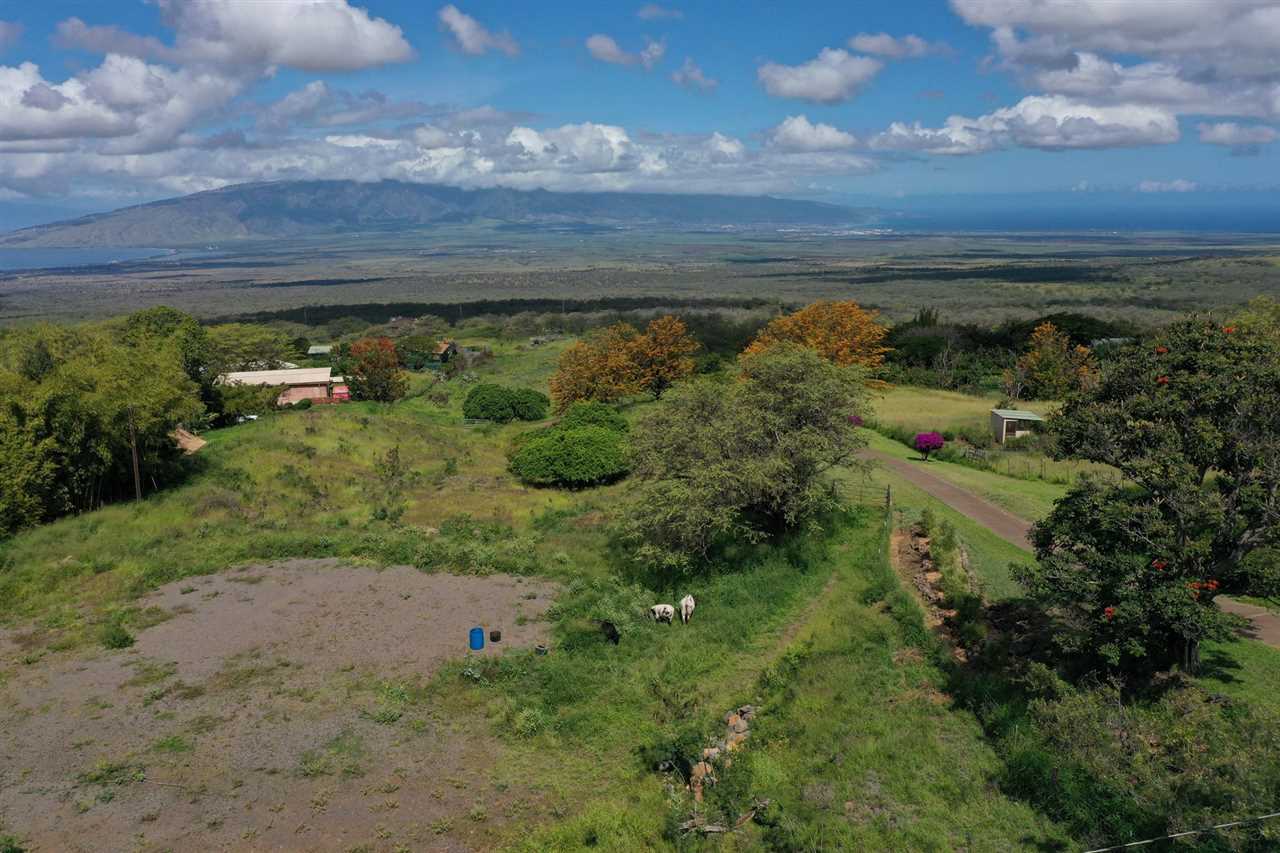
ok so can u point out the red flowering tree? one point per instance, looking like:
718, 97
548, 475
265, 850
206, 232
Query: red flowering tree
928, 442
375, 372
1131, 566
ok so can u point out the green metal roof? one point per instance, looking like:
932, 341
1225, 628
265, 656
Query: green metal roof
1017, 415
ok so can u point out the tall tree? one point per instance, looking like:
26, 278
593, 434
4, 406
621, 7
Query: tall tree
1051, 367
662, 355
600, 368
375, 372
741, 460
841, 332
1191, 423
247, 346
70, 436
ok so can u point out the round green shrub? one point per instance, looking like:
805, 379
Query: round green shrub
489, 402
304, 403
592, 413
572, 458
529, 405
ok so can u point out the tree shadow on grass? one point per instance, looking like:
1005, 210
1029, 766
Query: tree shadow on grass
1217, 665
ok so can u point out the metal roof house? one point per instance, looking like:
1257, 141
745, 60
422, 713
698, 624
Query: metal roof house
301, 383
320, 349
1012, 423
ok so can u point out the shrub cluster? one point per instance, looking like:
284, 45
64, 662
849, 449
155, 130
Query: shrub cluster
587, 447
490, 402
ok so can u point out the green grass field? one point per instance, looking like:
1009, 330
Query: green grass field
1029, 499
933, 408
857, 746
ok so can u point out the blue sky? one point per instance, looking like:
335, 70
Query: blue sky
109, 101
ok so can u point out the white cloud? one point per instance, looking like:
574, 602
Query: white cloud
322, 35
797, 133
652, 53
883, 44
490, 152
1211, 30
605, 49
834, 76
33, 108
471, 35
1176, 186
1212, 57
10, 32
1242, 139
1048, 122
691, 76
654, 12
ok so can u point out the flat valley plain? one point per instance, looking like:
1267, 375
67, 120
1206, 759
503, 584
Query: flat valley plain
980, 277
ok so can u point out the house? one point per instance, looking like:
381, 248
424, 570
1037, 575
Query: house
1012, 423
444, 351
302, 383
319, 349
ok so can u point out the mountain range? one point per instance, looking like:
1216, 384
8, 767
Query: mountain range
286, 209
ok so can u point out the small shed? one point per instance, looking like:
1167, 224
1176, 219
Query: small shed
339, 391
319, 349
1012, 423
444, 351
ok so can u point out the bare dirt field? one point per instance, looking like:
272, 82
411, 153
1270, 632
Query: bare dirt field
275, 708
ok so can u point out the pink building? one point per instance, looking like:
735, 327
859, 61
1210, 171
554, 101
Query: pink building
300, 383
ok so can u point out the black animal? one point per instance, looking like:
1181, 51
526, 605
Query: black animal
610, 632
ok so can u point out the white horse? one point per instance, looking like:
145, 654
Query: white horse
662, 613
686, 608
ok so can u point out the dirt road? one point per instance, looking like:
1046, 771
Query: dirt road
1004, 524
1264, 624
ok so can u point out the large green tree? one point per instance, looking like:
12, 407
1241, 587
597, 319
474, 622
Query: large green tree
247, 346
742, 459
69, 433
1190, 421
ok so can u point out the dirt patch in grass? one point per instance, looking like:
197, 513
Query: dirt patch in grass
288, 713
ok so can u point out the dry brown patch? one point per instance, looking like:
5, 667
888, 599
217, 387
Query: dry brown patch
268, 715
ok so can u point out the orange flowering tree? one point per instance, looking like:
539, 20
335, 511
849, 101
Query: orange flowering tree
619, 362
663, 354
1051, 367
842, 332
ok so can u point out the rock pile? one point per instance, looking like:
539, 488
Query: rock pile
737, 727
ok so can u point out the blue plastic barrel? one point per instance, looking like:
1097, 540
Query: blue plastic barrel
477, 639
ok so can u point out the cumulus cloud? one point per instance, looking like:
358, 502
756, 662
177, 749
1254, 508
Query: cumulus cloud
1176, 186
323, 35
471, 35
1212, 57
654, 12
906, 47
690, 76
451, 150
605, 49
834, 76
1230, 33
797, 133
1241, 139
1050, 122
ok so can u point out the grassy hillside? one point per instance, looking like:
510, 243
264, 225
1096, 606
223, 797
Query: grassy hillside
856, 745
